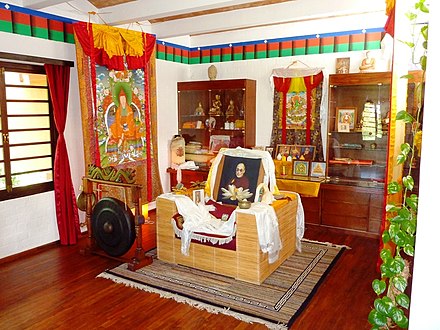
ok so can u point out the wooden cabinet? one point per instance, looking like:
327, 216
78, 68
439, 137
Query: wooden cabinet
359, 107
352, 199
215, 114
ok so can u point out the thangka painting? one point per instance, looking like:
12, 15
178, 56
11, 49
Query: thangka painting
120, 101
296, 111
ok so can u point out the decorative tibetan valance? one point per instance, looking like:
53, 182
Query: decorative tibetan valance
297, 107
111, 46
118, 101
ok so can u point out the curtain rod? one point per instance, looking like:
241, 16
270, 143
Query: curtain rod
35, 59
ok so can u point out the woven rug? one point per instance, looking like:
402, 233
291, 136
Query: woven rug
275, 303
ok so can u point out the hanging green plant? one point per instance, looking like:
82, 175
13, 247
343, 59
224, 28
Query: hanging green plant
392, 303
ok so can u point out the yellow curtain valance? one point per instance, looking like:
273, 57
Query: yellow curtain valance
117, 41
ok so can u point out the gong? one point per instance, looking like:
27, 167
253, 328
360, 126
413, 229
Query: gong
113, 226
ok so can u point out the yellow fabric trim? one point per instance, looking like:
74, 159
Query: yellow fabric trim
118, 42
297, 85
304, 188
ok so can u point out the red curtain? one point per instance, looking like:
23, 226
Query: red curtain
65, 202
84, 34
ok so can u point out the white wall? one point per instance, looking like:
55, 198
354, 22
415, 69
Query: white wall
168, 74
30, 222
425, 288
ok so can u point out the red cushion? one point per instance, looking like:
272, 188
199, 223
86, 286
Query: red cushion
221, 209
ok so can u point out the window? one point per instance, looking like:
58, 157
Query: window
27, 131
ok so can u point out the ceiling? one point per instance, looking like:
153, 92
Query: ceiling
201, 17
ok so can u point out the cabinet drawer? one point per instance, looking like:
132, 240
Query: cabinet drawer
349, 196
344, 221
342, 208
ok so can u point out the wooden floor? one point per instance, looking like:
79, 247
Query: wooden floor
57, 289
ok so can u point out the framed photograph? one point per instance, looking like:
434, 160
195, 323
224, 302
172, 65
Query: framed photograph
343, 65
317, 169
301, 167
283, 149
303, 152
346, 115
241, 172
199, 196
216, 142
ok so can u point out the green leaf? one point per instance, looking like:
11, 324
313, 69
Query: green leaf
423, 60
403, 300
408, 182
385, 254
424, 32
392, 208
379, 286
413, 202
409, 44
386, 236
397, 315
404, 214
377, 318
405, 116
399, 282
393, 229
407, 76
409, 250
423, 8
394, 188
385, 270
405, 148
401, 238
401, 158
411, 16
403, 323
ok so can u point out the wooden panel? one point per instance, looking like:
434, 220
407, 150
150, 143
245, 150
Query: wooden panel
343, 208
226, 262
348, 196
312, 209
358, 223
204, 257
374, 227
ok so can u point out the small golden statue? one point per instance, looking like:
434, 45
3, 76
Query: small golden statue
231, 108
216, 106
199, 110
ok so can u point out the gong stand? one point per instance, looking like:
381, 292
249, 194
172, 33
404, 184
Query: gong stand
139, 259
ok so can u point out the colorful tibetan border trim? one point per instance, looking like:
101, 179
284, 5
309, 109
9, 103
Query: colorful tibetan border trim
355, 40
32, 23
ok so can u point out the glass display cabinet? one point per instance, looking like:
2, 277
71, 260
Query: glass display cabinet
211, 115
358, 122
215, 114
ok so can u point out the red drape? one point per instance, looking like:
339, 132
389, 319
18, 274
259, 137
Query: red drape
311, 83
84, 34
66, 209
282, 85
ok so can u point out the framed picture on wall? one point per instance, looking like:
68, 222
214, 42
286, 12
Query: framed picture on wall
345, 115
317, 169
343, 65
301, 167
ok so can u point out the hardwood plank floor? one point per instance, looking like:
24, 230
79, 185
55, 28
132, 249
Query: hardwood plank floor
57, 289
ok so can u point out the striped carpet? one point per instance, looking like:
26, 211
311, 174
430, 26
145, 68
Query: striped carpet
275, 303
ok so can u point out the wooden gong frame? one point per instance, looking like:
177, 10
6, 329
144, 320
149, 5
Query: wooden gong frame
139, 258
